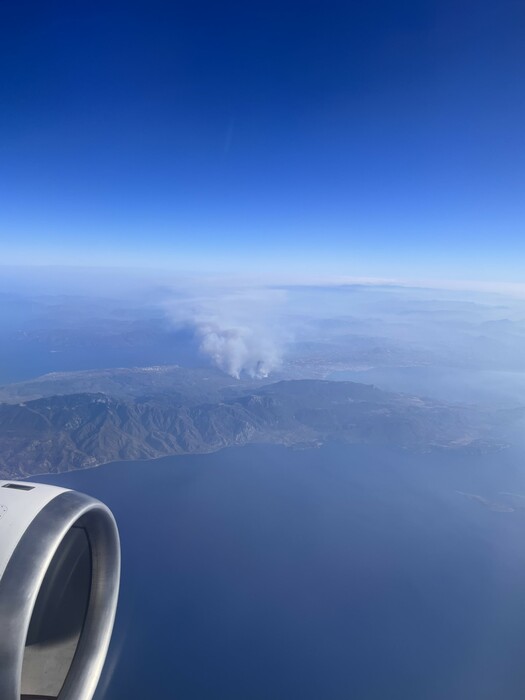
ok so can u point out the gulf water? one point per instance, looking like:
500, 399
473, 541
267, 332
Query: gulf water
344, 572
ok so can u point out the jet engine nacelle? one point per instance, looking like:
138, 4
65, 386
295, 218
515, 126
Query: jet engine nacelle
59, 580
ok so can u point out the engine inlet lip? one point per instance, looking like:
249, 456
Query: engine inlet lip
22, 580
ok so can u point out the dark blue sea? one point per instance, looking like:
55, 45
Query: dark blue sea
345, 572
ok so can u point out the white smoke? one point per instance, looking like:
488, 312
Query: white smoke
238, 329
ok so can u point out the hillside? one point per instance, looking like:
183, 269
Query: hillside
73, 431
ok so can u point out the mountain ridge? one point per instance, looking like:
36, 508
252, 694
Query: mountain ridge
74, 431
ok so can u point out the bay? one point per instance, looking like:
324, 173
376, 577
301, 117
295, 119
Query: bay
340, 572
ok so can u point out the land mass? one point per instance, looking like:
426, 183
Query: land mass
154, 412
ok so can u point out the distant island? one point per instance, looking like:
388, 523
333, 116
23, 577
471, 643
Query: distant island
76, 420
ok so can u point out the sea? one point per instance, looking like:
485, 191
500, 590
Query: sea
343, 572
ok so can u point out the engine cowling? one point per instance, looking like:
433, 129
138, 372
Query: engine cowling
59, 582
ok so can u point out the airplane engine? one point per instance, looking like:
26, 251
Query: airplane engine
59, 581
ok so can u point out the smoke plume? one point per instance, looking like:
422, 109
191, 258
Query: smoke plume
237, 329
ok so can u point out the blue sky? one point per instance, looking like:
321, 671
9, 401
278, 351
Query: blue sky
359, 138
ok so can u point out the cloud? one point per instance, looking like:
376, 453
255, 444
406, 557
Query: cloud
238, 329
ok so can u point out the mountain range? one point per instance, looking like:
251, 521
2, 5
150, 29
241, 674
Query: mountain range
48, 425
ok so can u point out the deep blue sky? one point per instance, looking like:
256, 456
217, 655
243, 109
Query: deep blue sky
363, 138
